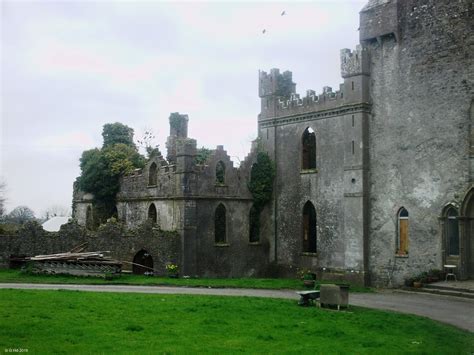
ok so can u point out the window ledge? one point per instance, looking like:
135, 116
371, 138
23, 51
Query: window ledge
150, 186
305, 253
401, 256
255, 243
308, 171
221, 245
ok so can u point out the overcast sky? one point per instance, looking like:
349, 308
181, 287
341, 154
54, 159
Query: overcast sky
69, 67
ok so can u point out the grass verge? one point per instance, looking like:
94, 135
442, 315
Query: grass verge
7, 275
81, 322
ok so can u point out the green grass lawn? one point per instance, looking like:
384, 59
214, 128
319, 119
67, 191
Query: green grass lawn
85, 322
7, 275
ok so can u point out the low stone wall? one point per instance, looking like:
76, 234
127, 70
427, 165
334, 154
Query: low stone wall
163, 246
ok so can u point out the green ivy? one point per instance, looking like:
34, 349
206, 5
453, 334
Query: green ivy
202, 155
261, 187
261, 180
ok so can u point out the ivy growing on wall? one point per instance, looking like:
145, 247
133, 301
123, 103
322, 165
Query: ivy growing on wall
261, 187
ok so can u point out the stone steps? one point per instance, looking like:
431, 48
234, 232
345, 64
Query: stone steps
445, 290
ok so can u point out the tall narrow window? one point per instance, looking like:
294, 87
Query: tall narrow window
220, 173
452, 232
254, 225
89, 218
152, 175
402, 231
220, 224
152, 213
309, 228
309, 149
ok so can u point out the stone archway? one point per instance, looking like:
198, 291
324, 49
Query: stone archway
467, 236
142, 263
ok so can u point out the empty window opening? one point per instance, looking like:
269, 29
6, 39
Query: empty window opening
220, 224
353, 121
352, 83
353, 180
452, 232
254, 225
352, 147
143, 263
220, 173
152, 175
152, 215
309, 149
89, 218
402, 231
309, 228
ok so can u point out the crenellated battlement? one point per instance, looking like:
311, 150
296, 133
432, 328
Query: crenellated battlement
354, 62
275, 84
310, 100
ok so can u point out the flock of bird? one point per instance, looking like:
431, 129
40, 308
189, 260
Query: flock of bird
283, 13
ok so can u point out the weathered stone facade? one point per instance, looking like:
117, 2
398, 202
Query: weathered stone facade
374, 181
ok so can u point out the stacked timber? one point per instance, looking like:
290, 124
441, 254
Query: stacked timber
93, 263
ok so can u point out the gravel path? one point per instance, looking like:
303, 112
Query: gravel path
452, 310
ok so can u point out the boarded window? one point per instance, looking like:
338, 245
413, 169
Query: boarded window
152, 175
309, 149
309, 228
220, 224
152, 213
220, 173
402, 232
452, 232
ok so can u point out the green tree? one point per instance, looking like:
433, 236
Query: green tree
117, 132
101, 168
21, 215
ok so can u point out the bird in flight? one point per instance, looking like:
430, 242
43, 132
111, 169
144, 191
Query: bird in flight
283, 13
264, 30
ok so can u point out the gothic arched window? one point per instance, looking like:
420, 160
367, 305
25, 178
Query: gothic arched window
220, 173
220, 224
452, 232
308, 149
152, 213
309, 228
402, 242
152, 172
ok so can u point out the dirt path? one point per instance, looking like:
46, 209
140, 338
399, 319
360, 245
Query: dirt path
456, 311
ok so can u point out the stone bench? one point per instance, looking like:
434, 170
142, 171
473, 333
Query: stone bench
307, 297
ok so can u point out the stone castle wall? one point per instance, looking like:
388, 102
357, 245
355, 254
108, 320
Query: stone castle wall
421, 88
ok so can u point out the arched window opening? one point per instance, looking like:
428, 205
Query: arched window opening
89, 218
114, 212
254, 225
309, 149
152, 175
309, 228
402, 232
152, 213
452, 232
220, 173
142, 263
220, 224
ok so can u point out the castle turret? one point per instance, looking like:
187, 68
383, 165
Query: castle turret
178, 130
272, 86
378, 19
355, 70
